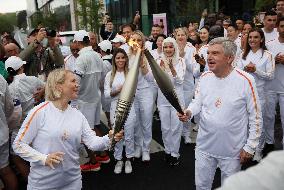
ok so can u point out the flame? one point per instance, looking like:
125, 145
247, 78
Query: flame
132, 43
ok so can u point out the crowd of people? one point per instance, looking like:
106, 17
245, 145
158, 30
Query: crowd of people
226, 74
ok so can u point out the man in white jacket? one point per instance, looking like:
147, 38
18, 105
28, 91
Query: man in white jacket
230, 116
89, 68
6, 111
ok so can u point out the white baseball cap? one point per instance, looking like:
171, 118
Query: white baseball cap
105, 45
118, 38
14, 62
79, 35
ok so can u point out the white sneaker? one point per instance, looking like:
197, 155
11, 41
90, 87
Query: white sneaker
145, 156
257, 156
137, 153
118, 167
128, 167
187, 140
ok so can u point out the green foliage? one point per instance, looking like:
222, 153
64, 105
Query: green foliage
263, 5
7, 22
89, 14
21, 19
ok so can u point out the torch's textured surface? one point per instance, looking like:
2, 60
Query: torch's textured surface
164, 82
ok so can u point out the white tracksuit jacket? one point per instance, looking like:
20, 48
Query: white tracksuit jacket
46, 130
274, 93
230, 114
89, 68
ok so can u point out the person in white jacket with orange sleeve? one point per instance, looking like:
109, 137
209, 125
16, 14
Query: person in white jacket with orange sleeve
260, 63
230, 116
52, 133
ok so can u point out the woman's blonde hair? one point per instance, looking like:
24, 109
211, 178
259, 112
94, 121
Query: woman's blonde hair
114, 67
55, 77
139, 33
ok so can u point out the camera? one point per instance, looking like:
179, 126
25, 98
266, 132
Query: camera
50, 32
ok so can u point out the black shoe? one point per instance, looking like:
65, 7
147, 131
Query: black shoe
167, 158
267, 149
174, 161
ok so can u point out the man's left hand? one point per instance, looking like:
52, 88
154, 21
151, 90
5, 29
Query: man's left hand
245, 156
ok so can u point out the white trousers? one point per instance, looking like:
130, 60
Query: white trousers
75, 185
171, 128
188, 95
92, 112
128, 139
143, 104
272, 98
260, 146
205, 168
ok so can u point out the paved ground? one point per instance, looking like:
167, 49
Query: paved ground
156, 175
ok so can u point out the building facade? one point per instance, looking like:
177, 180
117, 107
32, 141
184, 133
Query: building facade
179, 12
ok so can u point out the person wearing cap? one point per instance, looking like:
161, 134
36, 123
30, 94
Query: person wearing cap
118, 41
22, 89
105, 51
89, 70
6, 111
41, 60
69, 61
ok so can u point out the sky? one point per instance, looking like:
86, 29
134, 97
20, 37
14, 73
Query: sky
7, 6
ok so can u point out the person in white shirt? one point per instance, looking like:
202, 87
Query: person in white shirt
151, 44
187, 52
275, 88
269, 29
143, 103
69, 61
113, 84
260, 63
157, 55
171, 127
51, 136
118, 41
105, 51
230, 116
22, 90
233, 35
89, 69
6, 111
201, 56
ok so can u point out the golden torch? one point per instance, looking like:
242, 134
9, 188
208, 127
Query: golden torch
164, 82
126, 96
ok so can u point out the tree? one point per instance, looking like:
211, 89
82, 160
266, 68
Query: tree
21, 19
263, 5
7, 22
89, 14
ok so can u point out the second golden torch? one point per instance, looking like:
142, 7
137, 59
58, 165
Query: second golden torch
126, 97
164, 82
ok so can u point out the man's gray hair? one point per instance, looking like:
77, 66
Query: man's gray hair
230, 48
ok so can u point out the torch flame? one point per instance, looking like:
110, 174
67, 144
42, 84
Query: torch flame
132, 43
